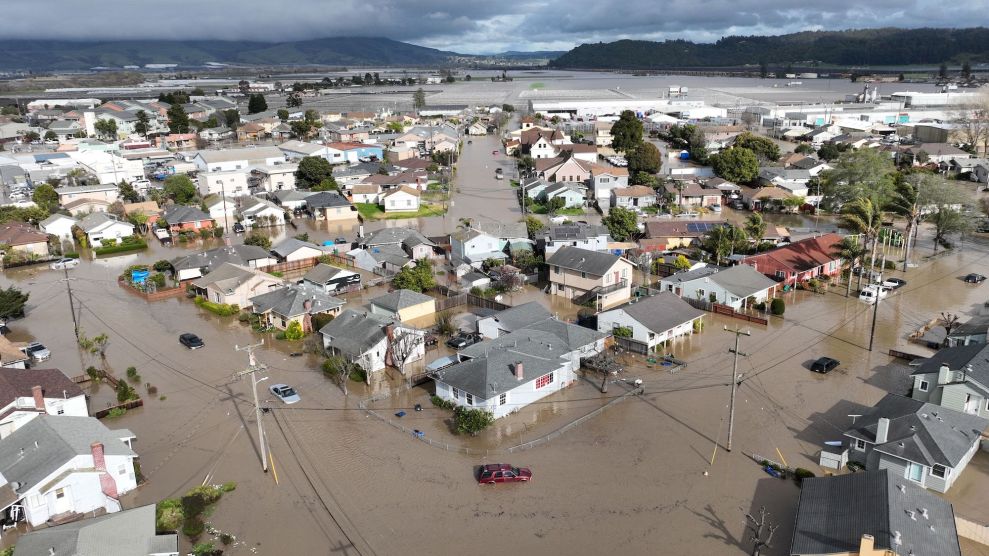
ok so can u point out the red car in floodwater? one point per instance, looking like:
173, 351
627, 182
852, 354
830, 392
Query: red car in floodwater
503, 473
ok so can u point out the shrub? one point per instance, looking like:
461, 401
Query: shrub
441, 403
712, 297
444, 323
294, 331
243, 317
226, 538
472, 421
890, 265
799, 474
116, 412
622, 332
151, 389
321, 320
158, 279
125, 392
221, 309
698, 326
208, 493
229, 486
168, 515
761, 306
193, 504
777, 307
358, 374
205, 549
94, 374
193, 527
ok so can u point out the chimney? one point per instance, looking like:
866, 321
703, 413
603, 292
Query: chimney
882, 430
943, 374
39, 398
519, 371
867, 544
107, 484
923, 512
897, 538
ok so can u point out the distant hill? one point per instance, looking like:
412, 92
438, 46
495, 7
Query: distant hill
41, 55
535, 54
866, 47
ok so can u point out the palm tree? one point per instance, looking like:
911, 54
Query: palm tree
755, 227
905, 202
863, 216
723, 241
850, 251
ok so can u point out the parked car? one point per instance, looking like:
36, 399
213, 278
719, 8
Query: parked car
340, 241
503, 473
191, 341
163, 235
975, 278
715, 208
894, 283
285, 393
871, 275
824, 365
36, 351
238, 228
62, 264
463, 339
871, 293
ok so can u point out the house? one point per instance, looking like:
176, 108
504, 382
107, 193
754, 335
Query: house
690, 194
193, 266
24, 238
57, 466
332, 278
665, 235
875, 513
486, 240
733, 286
956, 378
352, 153
652, 321
221, 209
224, 160
126, 533
232, 183
295, 303
366, 339
234, 284
573, 195
351, 174
291, 249
539, 142
11, 354
477, 128
927, 444
400, 199
403, 305
590, 276
602, 134
762, 198
330, 205
277, 177
514, 318
570, 170
58, 225
585, 236
100, 226
251, 132
367, 193
291, 199
799, 261
259, 213
586, 153
793, 180
390, 258
26, 394
604, 179
973, 331
415, 245
82, 207
300, 149
507, 373
183, 218
933, 153
634, 197
71, 193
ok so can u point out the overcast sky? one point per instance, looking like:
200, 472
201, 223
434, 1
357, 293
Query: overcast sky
469, 26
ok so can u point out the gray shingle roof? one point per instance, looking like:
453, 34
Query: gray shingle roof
36, 450
921, 432
695, 274
325, 199
834, 513
400, 299
237, 254
323, 273
232, 155
290, 301
975, 356
662, 312
94, 220
126, 533
353, 332
290, 245
520, 316
594, 263
578, 231
229, 276
178, 214
740, 280
17, 383
395, 236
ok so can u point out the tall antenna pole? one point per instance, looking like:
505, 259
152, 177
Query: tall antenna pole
734, 382
252, 369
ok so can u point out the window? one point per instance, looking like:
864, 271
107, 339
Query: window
503, 398
122, 470
59, 410
35, 500
583, 275
915, 472
939, 471
456, 394
556, 269
780, 274
60, 493
859, 444
701, 292
924, 385
469, 398
544, 381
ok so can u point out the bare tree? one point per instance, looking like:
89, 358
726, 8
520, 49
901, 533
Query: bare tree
949, 321
758, 527
404, 346
972, 121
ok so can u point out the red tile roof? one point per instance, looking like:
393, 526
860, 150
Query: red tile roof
800, 256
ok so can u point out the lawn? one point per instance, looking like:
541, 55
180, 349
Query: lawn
371, 211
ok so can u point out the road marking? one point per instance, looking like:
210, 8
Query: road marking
274, 471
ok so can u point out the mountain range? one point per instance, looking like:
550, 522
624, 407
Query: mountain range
852, 48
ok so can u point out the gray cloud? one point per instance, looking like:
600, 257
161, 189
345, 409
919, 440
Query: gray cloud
469, 26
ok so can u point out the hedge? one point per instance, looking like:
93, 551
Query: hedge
221, 309
122, 248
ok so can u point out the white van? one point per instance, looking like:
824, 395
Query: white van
870, 293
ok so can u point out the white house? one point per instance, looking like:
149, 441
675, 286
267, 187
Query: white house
220, 208
108, 167
28, 393
291, 249
130, 533
300, 149
604, 179
585, 236
278, 177
230, 183
254, 209
56, 466
365, 339
652, 321
730, 286
100, 225
331, 278
59, 226
106, 192
237, 159
486, 240
400, 199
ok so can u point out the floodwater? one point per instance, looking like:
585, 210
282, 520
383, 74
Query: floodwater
631, 480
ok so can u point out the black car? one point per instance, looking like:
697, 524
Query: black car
191, 341
340, 241
238, 228
463, 339
824, 365
975, 278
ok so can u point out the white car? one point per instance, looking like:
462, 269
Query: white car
62, 264
285, 393
869, 294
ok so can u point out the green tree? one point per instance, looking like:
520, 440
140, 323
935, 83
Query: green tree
736, 164
942, 71
294, 101
231, 118
178, 120
31, 136
294, 331
143, 123
471, 421
180, 188
626, 133
127, 192
46, 198
763, 147
966, 70
256, 239
312, 171
533, 226
644, 157
329, 184
418, 278
51, 136
621, 223
723, 241
947, 222
755, 227
918, 194
256, 103
106, 129
12, 302
850, 251
805, 148
282, 114
864, 217
419, 99
831, 151
860, 173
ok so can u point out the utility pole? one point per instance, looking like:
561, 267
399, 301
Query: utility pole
252, 369
734, 382
875, 314
72, 305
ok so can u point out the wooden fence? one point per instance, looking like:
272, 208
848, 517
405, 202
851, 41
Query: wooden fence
444, 303
126, 405
726, 310
289, 266
157, 295
483, 303
905, 355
